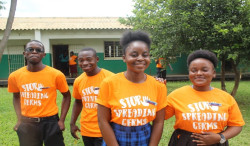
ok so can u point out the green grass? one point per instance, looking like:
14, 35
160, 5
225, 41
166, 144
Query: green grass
8, 136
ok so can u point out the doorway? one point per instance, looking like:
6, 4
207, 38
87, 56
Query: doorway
61, 58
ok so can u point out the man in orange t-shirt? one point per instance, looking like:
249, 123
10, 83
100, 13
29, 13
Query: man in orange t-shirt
34, 97
73, 65
85, 91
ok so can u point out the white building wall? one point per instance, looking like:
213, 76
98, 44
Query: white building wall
76, 39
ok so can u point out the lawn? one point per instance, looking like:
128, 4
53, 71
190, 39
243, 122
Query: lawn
8, 137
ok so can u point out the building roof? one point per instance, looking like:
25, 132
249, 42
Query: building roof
63, 23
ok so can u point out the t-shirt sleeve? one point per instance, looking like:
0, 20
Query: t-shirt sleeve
162, 98
61, 83
12, 85
103, 96
76, 94
108, 73
235, 117
169, 110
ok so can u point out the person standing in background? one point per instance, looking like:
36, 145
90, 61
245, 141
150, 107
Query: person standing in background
73, 65
64, 63
34, 89
161, 70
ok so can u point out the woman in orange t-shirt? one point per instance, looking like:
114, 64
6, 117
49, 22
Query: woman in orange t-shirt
203, 112
129, 101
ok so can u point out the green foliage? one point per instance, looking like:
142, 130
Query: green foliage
178, 26
2, 5
152, 16
8, 136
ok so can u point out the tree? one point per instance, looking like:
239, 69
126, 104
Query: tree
153, 17
2, 5
221, 26
9, 23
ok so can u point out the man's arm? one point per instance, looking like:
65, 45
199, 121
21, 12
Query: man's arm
170, 66
17, 107
77, 108
156, 61
64, 109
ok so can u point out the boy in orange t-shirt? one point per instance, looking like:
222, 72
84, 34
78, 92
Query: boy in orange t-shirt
85, 91
34, 97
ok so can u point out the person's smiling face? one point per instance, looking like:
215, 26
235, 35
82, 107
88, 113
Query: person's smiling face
201, 73
87, 60
137, 57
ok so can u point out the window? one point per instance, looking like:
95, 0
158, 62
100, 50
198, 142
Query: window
112, 50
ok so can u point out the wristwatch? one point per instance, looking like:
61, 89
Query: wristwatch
222, 138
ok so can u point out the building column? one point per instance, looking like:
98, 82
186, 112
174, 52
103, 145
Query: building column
38, 35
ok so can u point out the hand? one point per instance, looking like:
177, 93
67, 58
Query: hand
73, 130
17, 125
206, 138
164, 81
61, 125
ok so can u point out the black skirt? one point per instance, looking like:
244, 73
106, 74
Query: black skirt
183, 138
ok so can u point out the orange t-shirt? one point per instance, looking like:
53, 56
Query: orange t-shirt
72, 60
132, 104
37, 90
207, 111
86, 88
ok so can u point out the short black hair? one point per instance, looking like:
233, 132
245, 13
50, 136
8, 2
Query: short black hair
36, 42
131, 36
71, 52
88, 49
202, 54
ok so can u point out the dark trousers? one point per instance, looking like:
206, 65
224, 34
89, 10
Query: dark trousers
92, 141
64, 68
35, 133
161, 73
